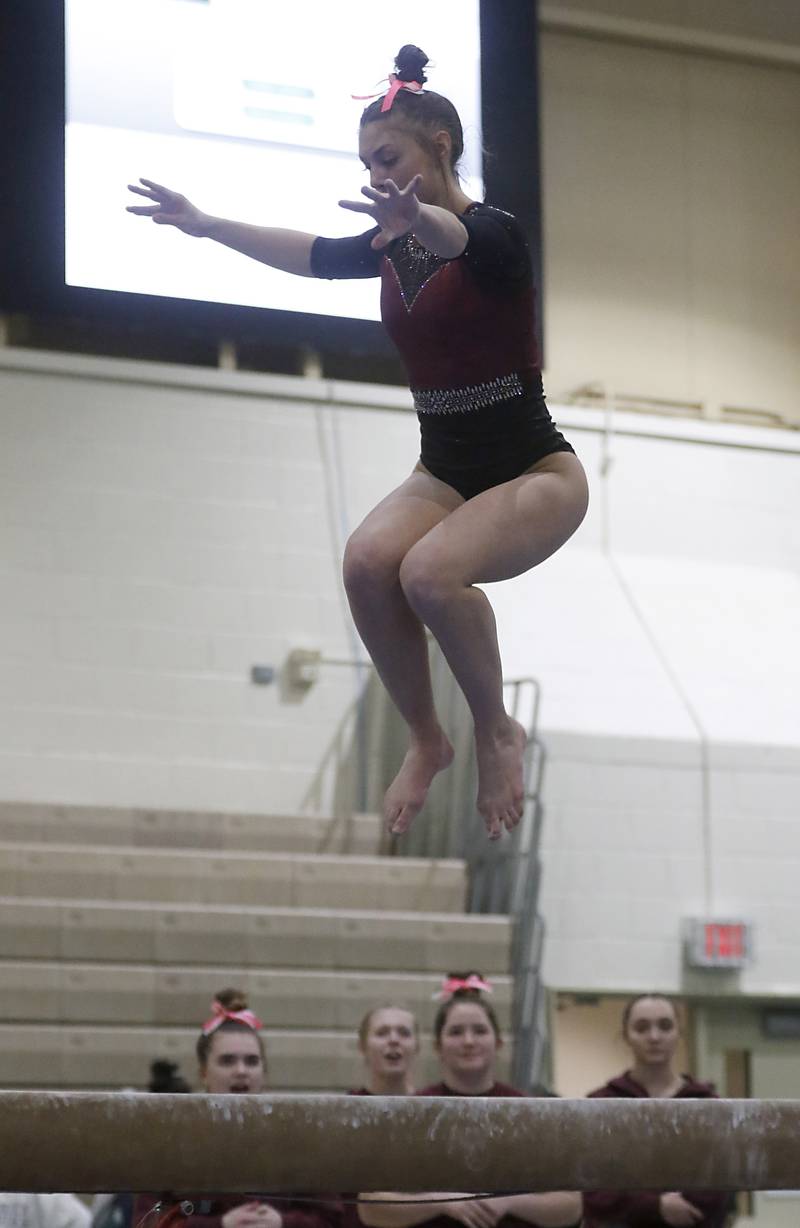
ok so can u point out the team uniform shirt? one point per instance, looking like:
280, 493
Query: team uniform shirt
466, 332
640, 1209
497, 1089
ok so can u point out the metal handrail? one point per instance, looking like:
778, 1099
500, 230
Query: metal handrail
502, 876
597, 394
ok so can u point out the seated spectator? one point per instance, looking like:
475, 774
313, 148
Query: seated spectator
231, 1059
388, 1038
468, 1040
166, 1077
651, 1028
116, 1210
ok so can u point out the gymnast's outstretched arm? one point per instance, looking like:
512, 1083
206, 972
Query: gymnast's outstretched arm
289, 250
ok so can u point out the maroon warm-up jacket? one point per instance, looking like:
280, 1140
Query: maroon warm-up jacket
641, 1209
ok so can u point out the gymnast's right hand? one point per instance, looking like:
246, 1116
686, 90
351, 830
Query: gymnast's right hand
169, 208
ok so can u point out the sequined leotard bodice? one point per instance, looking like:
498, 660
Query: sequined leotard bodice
465, 329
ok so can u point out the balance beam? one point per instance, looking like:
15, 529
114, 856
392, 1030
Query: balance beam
89, 1142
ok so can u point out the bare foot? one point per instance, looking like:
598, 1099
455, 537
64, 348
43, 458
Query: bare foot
501, 783
406, 794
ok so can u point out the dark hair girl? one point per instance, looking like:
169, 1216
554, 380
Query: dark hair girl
230, 1051
231, 1058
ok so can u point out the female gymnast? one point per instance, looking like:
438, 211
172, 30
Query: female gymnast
651, 1029
232, 1061
468, 1039
497, 488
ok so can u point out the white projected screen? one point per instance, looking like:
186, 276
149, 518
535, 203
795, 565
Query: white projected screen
245, 107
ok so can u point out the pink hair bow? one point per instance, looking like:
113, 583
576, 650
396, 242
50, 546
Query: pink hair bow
395, 86
221, 1013
452, 984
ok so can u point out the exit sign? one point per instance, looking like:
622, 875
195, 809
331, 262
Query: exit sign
716, 943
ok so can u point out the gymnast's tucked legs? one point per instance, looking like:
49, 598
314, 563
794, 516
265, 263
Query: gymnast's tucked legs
414, 562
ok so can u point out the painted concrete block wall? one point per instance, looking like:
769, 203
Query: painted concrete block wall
629, 853
156, 541
161, 530
669, 709
668, 181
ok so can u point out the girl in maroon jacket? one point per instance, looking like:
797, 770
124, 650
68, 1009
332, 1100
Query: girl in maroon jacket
497, 488
388, 1039
231, 1059
651, 1029
468, 1040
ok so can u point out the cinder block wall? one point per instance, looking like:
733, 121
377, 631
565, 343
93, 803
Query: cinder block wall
158, 538
668, 188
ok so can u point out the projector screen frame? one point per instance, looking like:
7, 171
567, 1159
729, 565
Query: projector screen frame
32, 192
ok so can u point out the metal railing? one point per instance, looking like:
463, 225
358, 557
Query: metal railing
503, 876
596, 394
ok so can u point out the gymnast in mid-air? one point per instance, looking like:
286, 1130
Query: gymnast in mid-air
497, 489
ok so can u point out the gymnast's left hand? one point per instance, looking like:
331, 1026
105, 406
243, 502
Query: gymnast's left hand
396, 211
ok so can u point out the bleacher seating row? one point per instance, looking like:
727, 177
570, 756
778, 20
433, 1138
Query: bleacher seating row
117, 928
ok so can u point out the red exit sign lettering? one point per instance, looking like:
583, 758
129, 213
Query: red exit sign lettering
715, 943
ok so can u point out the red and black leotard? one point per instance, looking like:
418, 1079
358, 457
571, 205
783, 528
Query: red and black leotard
465, 330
